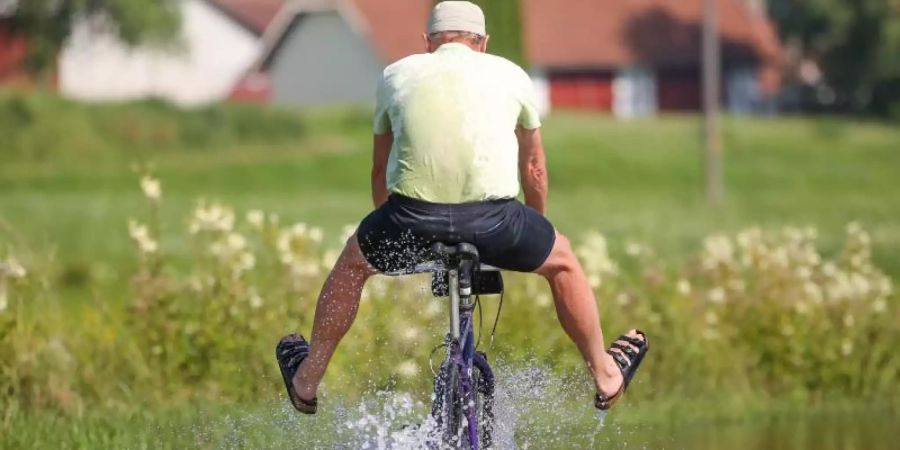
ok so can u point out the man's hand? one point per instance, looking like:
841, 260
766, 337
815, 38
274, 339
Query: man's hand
533, 168
381, 151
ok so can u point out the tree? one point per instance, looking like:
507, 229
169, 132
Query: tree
856, 43
47, 24
504, 24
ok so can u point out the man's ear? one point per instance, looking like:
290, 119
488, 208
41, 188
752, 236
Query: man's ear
484, 43
427, 42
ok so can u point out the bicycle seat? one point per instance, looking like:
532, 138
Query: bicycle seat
474, 277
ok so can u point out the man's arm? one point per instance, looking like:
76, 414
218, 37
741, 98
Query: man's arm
381, 151
533, 168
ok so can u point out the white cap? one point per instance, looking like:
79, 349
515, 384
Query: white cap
457, 16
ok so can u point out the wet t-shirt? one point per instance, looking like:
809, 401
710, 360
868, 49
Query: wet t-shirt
453, 114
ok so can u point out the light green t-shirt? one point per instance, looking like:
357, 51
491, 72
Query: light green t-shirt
453, 114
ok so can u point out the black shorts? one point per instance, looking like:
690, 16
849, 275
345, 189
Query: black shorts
508, 234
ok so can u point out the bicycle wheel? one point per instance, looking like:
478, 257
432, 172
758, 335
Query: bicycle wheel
447, 407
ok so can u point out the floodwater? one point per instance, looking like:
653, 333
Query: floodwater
537, 411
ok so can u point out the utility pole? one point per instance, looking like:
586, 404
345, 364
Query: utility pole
712, 160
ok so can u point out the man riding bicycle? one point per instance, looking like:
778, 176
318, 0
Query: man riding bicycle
455, 131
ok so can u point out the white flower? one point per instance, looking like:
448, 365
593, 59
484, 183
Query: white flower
683, 287
315, 234
711, 318
543, 300
256, 218
408, 369
846, 347
347, 231
595, 258
633, 248
212, 218
12, 269
849, 321
879, 306
255, 300
717, 251
411, 334
140, 234
151, 187
717, 295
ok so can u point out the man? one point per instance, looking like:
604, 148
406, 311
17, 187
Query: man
455, 130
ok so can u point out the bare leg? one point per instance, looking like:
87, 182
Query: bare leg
577, 311
335, 313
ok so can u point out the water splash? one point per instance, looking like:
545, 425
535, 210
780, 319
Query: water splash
534, 409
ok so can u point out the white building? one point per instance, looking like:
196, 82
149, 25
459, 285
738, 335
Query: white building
219, 40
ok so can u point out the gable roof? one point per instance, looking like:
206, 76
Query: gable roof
254, 15
615, 33
393, 28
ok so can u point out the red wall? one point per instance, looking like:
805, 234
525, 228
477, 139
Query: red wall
13, 49
582, 90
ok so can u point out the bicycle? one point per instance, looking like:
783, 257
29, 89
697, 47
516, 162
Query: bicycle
464, 385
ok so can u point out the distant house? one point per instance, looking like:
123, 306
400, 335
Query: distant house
220, 39
320, 52
13, 50
635, 57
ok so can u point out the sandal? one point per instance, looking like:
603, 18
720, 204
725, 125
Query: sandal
628, 360
290, 352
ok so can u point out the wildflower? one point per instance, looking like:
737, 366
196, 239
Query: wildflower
711, 318
256, 218
295, 241
543, 300
717, 251
813, 291
151, 187
140, 234
717, 295
212, 218
634, 249
315, 234
683, 287
408, 369
846, 347
595, 257
879, 306
737, 285
432, 309
347, 232
12, 269
849, 321
411, 334
255, 300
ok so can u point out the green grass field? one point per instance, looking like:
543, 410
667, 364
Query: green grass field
84, 375
637, 180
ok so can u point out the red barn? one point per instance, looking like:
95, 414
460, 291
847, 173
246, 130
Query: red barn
13, 50
635, 57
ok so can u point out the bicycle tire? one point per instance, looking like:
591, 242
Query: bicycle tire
447, 409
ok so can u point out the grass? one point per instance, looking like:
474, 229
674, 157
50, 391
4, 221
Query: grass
68, 186
632, 180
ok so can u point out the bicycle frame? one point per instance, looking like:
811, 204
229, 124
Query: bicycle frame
456, 274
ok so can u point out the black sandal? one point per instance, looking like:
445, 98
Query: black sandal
290, 352
628, 362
